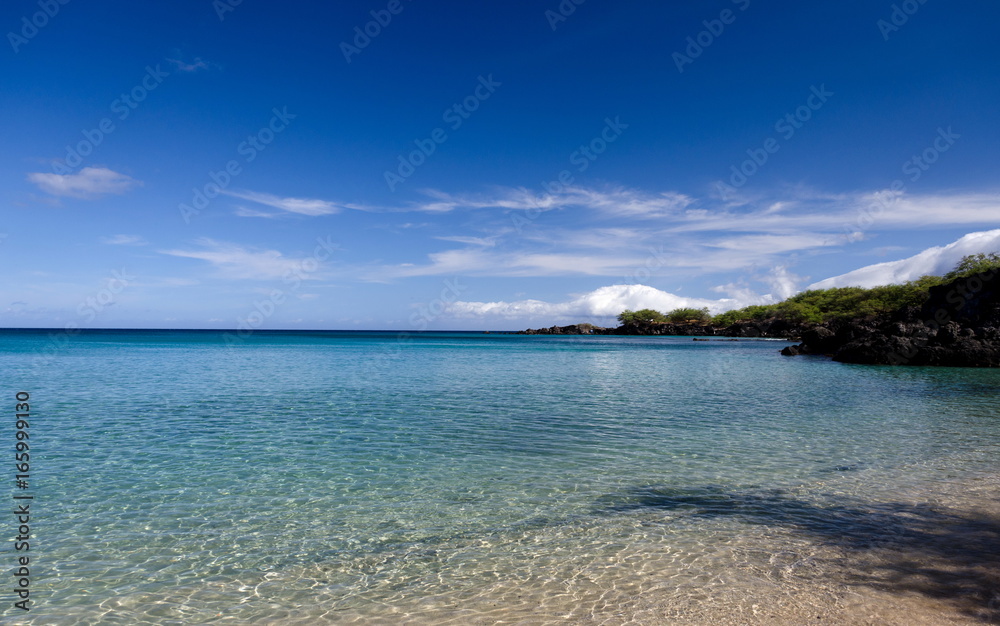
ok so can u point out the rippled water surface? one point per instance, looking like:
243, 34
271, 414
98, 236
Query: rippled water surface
476, 478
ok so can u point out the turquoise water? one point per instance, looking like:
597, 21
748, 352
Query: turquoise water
358, 477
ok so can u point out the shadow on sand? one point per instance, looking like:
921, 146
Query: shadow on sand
894, 547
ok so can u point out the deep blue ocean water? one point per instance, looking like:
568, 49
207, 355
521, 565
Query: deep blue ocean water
329, 477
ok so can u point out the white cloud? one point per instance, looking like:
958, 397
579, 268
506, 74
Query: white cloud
625, 255
238, 262
472, 241
805, 212
515, 198
89, 183
301, 206
772, 244
194, 66
784, 284
602, 304
614, 201
741, 292
124, 240
243, 211
913, 211
627, 202
482, 261
935, 261
599, 238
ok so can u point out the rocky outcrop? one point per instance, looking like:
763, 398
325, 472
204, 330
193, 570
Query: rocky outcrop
958, 325
573, 329
767, 329
683, 329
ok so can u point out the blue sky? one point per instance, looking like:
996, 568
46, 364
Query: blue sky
490, 165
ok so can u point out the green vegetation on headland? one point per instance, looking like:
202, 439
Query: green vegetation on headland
649, 316
827, 305
818, 306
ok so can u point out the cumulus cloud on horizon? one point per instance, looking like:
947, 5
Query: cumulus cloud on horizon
602, 304
934, 261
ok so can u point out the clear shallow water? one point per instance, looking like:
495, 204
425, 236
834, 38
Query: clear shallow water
352, 477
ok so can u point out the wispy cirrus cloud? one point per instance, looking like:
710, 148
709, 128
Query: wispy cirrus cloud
124, 240
801, 211
616, 232
789, 210
238, 262
776, 243
302, 206
485, 242
242, 211
194, 66
90, 182
514, 198
916, 211
482, 261
628, 203
615, 201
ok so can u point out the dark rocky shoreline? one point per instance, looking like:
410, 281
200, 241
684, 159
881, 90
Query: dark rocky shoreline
958, 326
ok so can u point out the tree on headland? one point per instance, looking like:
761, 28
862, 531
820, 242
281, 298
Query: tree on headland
642, 316
974, 264
649, 316
689, 315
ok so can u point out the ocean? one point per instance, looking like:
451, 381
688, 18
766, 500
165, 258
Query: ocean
470, 478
